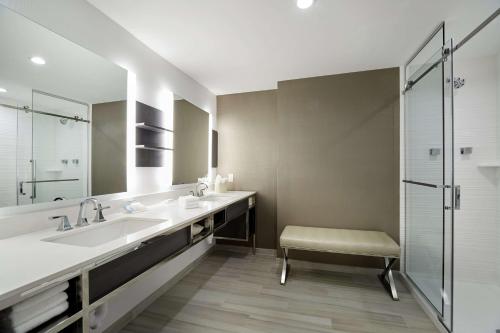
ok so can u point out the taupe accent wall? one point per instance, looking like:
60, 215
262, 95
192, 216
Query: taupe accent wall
109, 148
338, 144
331, 147
248, 148
190, 143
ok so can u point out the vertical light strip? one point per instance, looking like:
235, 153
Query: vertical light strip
210, 122
131, 120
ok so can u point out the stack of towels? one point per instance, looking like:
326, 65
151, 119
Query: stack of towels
34, 311
189, 201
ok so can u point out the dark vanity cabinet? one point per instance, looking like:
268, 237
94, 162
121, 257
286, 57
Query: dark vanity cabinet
237, 222
111, 275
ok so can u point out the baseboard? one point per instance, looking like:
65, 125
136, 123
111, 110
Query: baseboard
246, 249
423, 304
118, 325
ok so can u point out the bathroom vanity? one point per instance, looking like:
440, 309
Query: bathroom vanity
103, 260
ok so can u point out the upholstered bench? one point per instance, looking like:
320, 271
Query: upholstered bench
355, 242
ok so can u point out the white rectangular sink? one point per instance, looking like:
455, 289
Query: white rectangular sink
215, 197
98, 234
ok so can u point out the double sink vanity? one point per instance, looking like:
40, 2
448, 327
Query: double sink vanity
103, 259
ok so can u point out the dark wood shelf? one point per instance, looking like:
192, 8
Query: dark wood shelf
153, 148
153, 128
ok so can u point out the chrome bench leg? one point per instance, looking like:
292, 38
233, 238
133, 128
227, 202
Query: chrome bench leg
387, 279
253, 244
284, 270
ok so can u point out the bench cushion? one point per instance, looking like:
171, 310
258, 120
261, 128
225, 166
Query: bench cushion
357, 242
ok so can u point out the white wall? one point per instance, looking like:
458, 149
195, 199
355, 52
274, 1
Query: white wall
498, 172
80, 22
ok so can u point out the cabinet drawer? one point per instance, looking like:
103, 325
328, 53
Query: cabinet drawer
113, 274
236, 209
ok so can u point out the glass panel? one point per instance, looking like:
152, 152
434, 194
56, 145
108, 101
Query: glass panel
424, 243
448, 177
59, 149
417, 63
425, 163
424, 126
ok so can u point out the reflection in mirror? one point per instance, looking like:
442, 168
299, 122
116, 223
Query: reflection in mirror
62, 117
191, 130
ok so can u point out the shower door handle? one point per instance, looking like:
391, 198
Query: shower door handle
438, 186
457, 197
33, 178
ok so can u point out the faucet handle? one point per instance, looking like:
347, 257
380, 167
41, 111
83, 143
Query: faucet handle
99, 217
64, 224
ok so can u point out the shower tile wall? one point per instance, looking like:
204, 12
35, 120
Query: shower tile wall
477, 232
55, 142
476, 224
24, 154
424, 205
8, 135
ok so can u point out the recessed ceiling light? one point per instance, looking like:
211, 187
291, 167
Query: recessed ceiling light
3, 90
38, 60
304, 4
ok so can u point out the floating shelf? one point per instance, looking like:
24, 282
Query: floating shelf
492, 164
153, 148
153, 128
54, 170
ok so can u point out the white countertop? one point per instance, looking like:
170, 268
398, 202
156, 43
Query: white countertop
26, 261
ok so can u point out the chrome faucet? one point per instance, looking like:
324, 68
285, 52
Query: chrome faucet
64, 224
82, 220
99, 217
199, 192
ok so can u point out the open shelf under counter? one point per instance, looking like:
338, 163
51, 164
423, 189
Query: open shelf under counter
154, 128
490, 164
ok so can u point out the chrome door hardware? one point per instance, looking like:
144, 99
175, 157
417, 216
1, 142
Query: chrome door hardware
465, 150
457, 197
434, 151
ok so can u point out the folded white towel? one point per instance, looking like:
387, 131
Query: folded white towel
197, 229
21, 306
19, 317
48, 314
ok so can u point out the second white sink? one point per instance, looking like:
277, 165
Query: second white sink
98, 234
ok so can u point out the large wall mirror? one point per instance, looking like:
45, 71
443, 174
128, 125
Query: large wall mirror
191, 138
62, 117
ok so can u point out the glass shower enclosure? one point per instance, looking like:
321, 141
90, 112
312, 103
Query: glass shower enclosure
428, 180
52, 149
452, 177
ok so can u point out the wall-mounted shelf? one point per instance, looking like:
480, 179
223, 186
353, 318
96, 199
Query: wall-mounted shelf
152, 137
153, 148
154, 128
492, 164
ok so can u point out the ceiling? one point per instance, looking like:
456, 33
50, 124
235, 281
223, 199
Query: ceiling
246, 45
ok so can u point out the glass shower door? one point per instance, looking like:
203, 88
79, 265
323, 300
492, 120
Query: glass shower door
60, 144
429, 180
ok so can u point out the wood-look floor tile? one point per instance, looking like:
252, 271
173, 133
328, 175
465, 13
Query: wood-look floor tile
235, 291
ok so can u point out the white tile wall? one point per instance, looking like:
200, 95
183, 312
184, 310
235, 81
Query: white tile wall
476, 224
424, 234
8, 134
